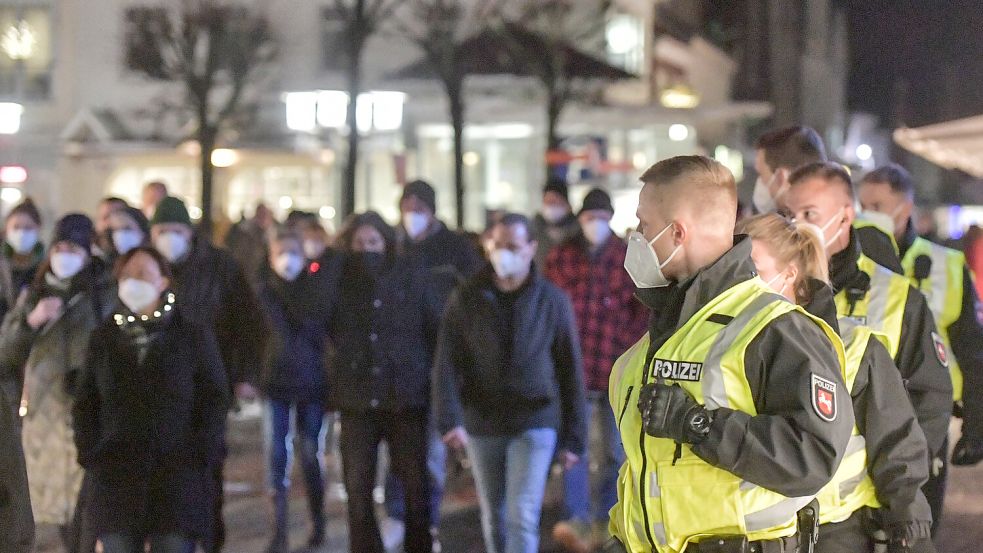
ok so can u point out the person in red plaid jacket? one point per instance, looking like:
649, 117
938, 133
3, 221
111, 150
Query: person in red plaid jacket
589, 267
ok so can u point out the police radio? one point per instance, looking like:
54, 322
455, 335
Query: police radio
923, 267
857, 290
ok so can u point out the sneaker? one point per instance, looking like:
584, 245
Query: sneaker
574, 536
393, 533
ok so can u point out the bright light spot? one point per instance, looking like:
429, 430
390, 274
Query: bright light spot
11, 195
224, 157
332, 109
679, 96
286, 202
302, 110
327, 156
471, 158
363, 112
13, 174
639, 160
18, 41
622, 34
387, 110
195, 212
864, 152
10, 117
678, 132
327, 212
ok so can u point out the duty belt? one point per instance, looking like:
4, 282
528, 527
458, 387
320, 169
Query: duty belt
725, 544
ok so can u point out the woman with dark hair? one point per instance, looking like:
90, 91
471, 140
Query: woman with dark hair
21, 253
383, 328
43, 344
147, 414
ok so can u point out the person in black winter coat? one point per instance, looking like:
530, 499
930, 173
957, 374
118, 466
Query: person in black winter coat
16, 518
147, 416
383, 329
293, 380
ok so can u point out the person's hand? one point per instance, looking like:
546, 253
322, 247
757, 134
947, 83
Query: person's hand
667, 412
968, 452
457, 438
568, 459
46, 310
245, 391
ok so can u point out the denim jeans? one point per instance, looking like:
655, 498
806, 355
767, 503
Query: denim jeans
308, 418
510, 473
437, 467
167, 543
609, 456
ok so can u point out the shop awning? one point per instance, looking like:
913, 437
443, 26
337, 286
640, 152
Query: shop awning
954, 144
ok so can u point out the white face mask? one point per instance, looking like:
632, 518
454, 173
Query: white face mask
126, 239
883, 221
313, 249
415, 223
642, 263
597, 231
65, 265
288, 266
554, 213
22, 240
508, 263
137, 295
172, 245
771, 283
835, 219
762, 198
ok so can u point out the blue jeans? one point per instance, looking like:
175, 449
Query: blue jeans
436, 467
167, 543
308, 419
610, 456
510, 473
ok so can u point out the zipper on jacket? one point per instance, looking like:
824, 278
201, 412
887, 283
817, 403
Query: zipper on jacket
644, 471
624, 408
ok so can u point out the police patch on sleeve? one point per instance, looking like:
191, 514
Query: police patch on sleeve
677, 370
824, 398
940, 350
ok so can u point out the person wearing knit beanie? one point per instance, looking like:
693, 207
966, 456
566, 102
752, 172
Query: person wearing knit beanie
418, 207
171, 229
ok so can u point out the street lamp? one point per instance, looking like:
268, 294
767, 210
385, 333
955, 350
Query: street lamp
18, 41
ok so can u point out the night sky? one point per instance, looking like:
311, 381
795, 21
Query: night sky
916, 62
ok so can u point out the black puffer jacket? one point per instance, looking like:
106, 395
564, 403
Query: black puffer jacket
383, 329
147, 431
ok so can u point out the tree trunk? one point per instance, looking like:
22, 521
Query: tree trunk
554, 107
206, 138
455, 96
351, 169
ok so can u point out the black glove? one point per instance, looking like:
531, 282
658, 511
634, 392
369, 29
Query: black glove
669, 412
968, 452
908, 537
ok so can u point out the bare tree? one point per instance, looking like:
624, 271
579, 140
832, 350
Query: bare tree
359, 19
216, 51
442, 29
547, 38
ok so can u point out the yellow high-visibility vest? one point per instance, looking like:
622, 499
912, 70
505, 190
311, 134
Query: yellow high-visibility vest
665, 502
943, 290
881, 308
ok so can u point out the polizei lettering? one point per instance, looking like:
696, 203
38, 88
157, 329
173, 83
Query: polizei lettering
677, 370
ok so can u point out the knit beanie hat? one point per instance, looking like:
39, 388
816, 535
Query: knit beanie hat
75, 228
597, 199
423, 192
171, 210
138, 217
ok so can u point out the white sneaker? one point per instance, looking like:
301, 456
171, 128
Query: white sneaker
393, 533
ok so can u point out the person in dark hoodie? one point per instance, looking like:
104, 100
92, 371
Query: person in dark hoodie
556, 222
213, 291
147, 416
508, 385
43, 346
293, 381
21, 253
383, 329
16, 519
877, 487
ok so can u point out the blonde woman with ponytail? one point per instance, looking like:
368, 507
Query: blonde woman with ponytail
886, 504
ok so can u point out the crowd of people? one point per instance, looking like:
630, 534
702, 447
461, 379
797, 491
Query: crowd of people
744, 378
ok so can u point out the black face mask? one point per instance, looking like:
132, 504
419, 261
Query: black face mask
371, 261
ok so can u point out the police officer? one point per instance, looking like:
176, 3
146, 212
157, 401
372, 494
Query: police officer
732, 407
870, 295
781, 151
877, 486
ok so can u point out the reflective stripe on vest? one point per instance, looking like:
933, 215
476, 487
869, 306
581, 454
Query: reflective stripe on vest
851, 487
666, 502
943, 290
881, 309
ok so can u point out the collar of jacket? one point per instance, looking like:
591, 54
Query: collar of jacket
404, 241
907, 239
821, 303
843, 269
733, 267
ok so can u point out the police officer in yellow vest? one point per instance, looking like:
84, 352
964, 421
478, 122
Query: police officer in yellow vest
876, 492
732, 408
870, 295
778, 153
